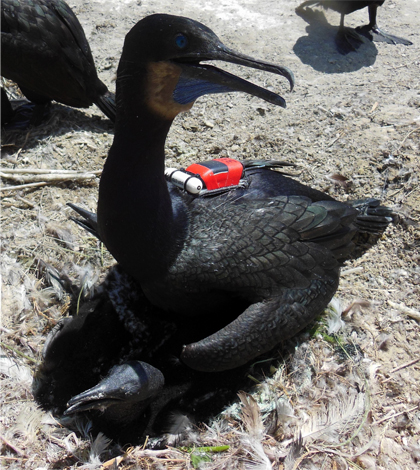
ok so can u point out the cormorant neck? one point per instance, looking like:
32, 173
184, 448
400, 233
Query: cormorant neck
138, 221
135, 121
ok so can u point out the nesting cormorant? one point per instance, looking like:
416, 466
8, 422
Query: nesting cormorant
347, 39
45, 51
243, 269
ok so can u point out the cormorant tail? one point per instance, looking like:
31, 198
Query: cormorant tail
89, 222
106, 103
372, 217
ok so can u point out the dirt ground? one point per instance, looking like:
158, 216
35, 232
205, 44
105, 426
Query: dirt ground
357, 116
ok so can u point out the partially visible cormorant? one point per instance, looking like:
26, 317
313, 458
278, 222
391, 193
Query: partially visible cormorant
45, 51
347, 39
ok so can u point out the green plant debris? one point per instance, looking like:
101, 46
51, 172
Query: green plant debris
200, 455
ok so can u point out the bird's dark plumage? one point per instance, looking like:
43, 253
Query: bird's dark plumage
96, 364
6, 108
348, 40
45, 51
220, 279
274, 246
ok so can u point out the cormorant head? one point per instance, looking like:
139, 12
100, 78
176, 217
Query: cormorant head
169, 50
122, 394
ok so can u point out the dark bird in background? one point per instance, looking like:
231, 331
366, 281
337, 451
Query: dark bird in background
45, 51
221, 279
347, 39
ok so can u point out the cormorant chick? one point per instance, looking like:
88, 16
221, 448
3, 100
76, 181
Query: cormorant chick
96, 363
45, 51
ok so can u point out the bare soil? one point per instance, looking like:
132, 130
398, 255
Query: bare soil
357, 116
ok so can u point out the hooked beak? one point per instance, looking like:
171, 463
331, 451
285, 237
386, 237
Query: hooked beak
129, 383
198, 79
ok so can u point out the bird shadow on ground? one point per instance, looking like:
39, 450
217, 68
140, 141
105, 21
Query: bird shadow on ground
319, 51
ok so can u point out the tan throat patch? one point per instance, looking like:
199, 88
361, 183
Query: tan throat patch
162, 78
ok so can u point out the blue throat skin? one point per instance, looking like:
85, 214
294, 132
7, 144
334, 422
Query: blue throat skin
189, 89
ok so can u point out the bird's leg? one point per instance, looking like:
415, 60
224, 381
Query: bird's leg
372, 31
20, 114
347, 40
40, 113
261, 327
34, 111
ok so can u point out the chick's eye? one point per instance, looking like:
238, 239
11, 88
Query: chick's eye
181, 40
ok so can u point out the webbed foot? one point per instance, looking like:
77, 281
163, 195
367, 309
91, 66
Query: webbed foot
375, 34
21, 114
18, 118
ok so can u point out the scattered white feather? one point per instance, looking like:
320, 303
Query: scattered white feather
293, 454
335, 418
180, 427
88, 455
18, 372
28, 422
98, 447
88, 277
256, 451
178, 423
71, 443
372, 369
254, 433
334, 311
251, 416
62, 234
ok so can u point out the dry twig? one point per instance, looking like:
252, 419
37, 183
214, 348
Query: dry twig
395, 415
407, 310
15, 449
403, 366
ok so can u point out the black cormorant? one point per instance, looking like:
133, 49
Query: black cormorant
264, 257
221, 278
45, 51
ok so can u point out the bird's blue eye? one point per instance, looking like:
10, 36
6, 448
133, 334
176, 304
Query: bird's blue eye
181, 40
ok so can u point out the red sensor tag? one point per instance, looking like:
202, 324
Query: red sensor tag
218, 173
